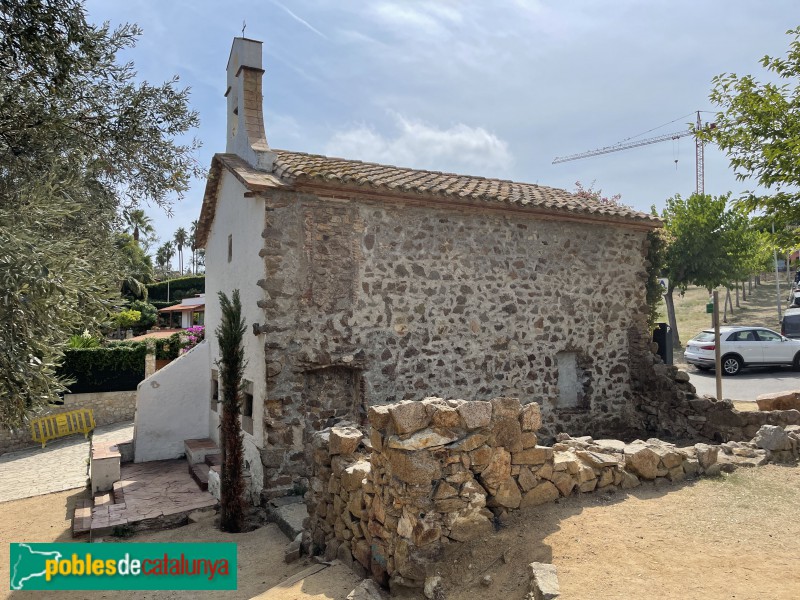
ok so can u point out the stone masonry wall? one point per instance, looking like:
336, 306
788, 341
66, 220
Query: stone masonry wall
107, 407
669, 406
437, 472
464, 303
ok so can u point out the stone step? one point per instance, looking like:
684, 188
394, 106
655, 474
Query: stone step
82, 518
119, 493
199, 473
102, 499
104, 465
288, 514
125, 451
196, 450
214, 460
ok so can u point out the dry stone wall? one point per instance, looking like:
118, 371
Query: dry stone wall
107, 407
436, 472
668, 405
470, 303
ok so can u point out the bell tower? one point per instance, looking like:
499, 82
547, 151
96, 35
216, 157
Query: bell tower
246, 136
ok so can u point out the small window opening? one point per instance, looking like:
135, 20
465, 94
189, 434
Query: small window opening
247, 409
230, 247
214, 392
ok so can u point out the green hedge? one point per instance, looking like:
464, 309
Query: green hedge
115, 368
180, 288
168, 348
159, 304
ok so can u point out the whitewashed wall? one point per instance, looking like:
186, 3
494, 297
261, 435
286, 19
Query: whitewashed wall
172, 406
243, 219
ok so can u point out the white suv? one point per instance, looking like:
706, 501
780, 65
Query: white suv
742, 347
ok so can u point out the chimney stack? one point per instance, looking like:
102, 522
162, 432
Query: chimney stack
246, 135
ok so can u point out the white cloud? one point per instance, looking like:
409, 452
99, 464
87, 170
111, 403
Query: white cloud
300, 20
459, 148
405, 16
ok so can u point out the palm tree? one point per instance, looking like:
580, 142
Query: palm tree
201, 259
230, 334
164, 258
193, 244
138, 223
181, 239
136, 267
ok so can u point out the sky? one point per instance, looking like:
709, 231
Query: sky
496, 89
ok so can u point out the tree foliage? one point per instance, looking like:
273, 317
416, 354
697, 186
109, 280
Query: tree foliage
590, 193
758, 126
656, 256
80, 139
708, 244
138, 223
181, 238
230, 334
164, 259
149, 314
698, 252
127, 318
136, 267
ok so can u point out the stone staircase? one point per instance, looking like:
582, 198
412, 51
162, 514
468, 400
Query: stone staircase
204, 460
151, 495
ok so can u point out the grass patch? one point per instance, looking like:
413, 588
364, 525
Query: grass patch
759, 310
753, 489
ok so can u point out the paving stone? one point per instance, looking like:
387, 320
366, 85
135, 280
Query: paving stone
62, 465
153, 491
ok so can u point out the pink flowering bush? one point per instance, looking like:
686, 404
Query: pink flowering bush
191, 336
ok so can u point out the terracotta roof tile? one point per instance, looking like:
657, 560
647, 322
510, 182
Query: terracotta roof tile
297, 167
291, 168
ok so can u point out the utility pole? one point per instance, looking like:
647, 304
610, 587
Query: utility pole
777, 279
717, 353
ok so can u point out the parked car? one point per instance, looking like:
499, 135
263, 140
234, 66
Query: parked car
790, 324
742, 347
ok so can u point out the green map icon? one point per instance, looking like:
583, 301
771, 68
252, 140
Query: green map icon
123, 566
28, 564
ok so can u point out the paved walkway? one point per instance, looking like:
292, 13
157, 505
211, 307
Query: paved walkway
151, 495
62, 465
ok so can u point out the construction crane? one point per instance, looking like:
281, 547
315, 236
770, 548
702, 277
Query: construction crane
699, 150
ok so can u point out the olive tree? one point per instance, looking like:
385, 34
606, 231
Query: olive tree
81, 140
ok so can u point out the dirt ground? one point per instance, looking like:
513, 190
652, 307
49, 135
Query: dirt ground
731, 537
47, 519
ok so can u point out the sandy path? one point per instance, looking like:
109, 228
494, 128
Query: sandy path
46, 519
733, 537
713, 539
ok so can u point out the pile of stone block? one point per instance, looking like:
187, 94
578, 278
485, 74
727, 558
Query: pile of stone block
438, 472
770, 444
337, 523
668, 405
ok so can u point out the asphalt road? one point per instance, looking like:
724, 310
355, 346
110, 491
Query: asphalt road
748, 384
